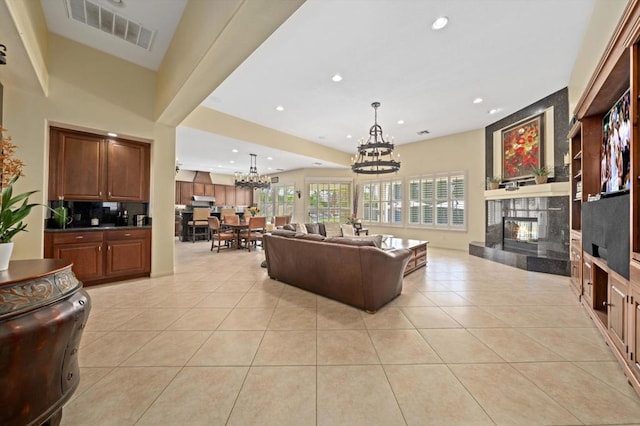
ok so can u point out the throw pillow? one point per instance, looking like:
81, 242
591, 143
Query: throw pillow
290, 227
284, 233
350, 241
312, 228
301, 229
333, 229
312, 237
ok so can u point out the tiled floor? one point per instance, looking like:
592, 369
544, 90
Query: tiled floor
468, 342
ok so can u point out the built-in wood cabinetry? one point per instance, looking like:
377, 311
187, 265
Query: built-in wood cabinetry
225, 195
102, 255
87, 167
611, 299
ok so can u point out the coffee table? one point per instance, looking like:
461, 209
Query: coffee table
418, 249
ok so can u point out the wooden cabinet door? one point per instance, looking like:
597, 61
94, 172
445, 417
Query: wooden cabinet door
186, 193
219, 191
86, 258
177, 200
198, 188
617, 311
79, 166
587, 280
127, 171
230, 195
209, 190
128, 251
634, 331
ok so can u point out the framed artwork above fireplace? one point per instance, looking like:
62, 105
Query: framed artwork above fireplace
522, 148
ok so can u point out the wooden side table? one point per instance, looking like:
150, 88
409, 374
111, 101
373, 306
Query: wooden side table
43, 311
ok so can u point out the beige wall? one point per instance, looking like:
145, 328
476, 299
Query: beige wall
603, 22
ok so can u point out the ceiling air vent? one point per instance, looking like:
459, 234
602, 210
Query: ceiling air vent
98, 17
423, 132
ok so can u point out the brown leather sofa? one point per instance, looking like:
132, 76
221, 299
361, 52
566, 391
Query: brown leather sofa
349, 271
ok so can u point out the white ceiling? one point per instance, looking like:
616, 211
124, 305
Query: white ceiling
510, 53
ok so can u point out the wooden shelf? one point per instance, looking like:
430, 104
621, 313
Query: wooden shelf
578, 156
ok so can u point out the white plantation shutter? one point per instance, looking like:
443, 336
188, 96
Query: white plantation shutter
438, 201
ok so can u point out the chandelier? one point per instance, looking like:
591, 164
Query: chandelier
252, 179
376, 155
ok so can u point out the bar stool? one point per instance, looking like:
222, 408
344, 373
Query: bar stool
199, 224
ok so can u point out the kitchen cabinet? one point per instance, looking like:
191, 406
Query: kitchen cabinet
186, 193
575, 255
209, 190
177, 198
88, 167
230, 196
244, 196
102, 255
617, 310
198, 188
219, 191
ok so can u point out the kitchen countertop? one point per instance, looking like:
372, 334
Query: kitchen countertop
96, 228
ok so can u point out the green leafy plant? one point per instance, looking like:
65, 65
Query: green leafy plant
494, 179
540, 171
13, 210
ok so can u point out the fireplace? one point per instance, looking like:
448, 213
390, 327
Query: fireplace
520, 234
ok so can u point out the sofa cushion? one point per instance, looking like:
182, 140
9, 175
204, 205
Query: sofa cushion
332, 229
284, 233
350, 241
301, 228
312, 228
289, 227
312, 237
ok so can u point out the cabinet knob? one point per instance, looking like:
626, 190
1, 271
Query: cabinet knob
100, 193
79, 237
109, 193
99, 248
127, 235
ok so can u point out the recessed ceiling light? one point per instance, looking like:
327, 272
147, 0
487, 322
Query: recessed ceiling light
269, 168
279, 108
113, 135
336, 78
477, 100
400, 121
210, 168
219, 165
349, 136
269, 158
234, 150
440, 23
494, 110
231, 161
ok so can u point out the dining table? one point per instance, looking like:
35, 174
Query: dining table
237, 228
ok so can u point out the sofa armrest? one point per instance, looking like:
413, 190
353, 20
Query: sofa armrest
382, 273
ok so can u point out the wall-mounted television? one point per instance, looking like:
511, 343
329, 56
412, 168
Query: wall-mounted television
615, 150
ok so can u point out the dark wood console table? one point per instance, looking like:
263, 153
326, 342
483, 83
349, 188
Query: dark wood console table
43, 311
418, 249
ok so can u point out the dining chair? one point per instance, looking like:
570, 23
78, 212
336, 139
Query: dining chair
227, 212
281, 220
218, 234
199, 225
232, 220
254, 232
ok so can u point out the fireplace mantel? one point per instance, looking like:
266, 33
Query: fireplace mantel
553, 189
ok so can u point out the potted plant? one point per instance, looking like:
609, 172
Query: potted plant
540, 174
13, 208
494, 182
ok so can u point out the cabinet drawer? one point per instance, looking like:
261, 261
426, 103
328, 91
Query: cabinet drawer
420, 250
634, 273
77, 237
127, 234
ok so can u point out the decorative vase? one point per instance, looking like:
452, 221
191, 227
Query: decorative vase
494, 185
541, 179
5, 255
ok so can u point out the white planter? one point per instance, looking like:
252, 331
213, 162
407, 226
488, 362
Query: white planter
5, 255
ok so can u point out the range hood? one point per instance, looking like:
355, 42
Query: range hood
204, 199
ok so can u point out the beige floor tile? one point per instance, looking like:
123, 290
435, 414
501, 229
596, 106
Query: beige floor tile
268, 286
258, 300
89, 337
293, 318
180, 300
169, 348
588, 398
291, 347
338, 317
236, 286
402, 347
247, 319
345, 347
447, 298
295, 297
429, 317
411, 299
200, 319
514, 346
197, 396
277, 396
356, 395
459, 346
508, 397
114, 348
89, 376
120, 398
109, 319
609, 372
220, 300
573, 344
228, 348
386, 318
431, 394
473, 317
153, 319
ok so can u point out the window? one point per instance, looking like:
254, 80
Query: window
382, 201
438, 201
329, 202
276, 201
